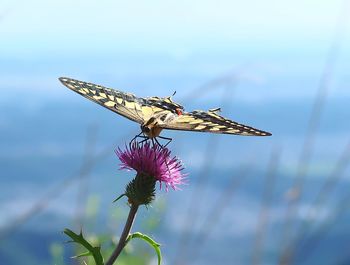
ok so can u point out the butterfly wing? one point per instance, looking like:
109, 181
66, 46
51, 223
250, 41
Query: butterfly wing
210, 121
122, 103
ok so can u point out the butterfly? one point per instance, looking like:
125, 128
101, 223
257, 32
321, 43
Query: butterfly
156, 113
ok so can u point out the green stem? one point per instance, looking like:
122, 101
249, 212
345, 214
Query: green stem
125, 233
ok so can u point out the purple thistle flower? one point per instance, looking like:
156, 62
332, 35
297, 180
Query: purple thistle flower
153, 161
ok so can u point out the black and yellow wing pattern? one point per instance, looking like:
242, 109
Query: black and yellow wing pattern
161, 113
128, 105
211, 121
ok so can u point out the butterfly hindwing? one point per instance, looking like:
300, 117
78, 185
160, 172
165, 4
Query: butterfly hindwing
122, 103
210, 121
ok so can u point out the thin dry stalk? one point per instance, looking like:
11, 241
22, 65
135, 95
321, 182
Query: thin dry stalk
265, 206
308, 146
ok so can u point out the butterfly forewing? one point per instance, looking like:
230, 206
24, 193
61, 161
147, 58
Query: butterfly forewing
203, 121
122, 103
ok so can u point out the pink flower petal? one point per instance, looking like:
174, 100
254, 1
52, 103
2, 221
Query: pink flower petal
153, 161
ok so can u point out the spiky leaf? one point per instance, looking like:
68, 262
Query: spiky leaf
95, 252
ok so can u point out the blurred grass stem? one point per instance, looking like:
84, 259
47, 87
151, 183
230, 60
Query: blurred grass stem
313, 126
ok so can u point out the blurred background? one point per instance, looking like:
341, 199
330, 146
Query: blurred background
280, 66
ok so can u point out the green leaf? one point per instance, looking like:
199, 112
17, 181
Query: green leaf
149, 240
94, 251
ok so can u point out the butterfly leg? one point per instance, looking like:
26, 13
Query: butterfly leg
162, 147
166, 138
154, 143
144, 139
136, 136
134, 140
159, 144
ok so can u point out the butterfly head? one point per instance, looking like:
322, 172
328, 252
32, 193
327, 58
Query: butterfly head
151, 132
150, 128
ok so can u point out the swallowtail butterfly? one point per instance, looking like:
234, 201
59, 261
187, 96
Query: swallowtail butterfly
155, 113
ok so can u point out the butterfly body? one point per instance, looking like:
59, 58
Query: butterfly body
155, 113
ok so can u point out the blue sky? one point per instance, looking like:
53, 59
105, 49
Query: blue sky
178, 27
